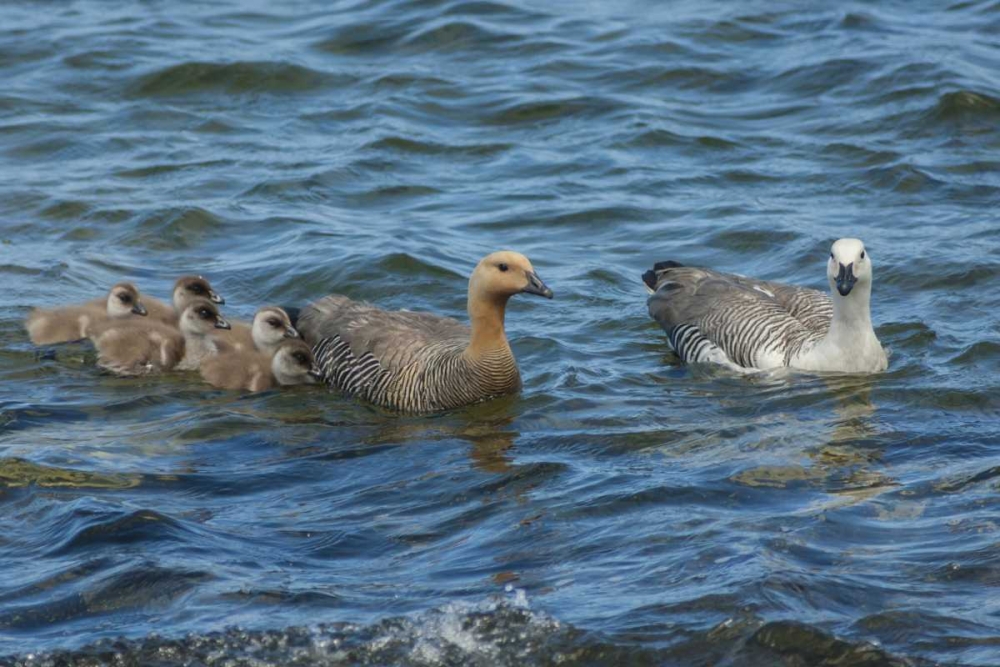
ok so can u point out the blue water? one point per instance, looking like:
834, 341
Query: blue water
622, 508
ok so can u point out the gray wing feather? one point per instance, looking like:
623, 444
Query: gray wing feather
394, 338
703, 310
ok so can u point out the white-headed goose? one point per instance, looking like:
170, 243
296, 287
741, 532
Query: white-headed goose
745, 323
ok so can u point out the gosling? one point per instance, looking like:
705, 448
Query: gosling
254, 370
187, 290
148, 348
271, 327
69, 323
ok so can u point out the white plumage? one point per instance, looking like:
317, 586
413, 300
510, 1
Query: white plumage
747, 324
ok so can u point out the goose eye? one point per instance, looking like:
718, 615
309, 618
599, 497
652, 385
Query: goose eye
300, 357
862, 254
125, 298
273, 322
204, 313
832, 257
503, 266
197, 289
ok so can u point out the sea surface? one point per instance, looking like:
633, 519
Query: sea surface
623, 509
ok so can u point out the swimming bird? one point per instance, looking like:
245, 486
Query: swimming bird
271, 326
143, 348
69, 323
291, 363
418, 362
745, 323
187, 289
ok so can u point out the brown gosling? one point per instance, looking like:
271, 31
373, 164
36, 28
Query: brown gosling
418, 362
253, 370
187, 290
69, 323
270, 328
145, 348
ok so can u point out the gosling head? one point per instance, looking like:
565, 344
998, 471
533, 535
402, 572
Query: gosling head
200, 318
271, 326
849, 265
501, 275
123, 300
293, 363
189, 288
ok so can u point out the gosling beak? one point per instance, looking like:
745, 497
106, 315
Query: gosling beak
536, 286
846, 279
139, 309
215, 297
290, 332
222, 324
315, 373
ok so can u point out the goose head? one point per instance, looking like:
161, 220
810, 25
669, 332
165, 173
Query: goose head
189, 288
200, 318
501, 275
849, 265
271, 326
123, 300
293, 363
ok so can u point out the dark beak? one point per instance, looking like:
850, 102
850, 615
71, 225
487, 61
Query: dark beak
846, 279
215, 297
139, 309
290, 332
536, 286
315, 373
222, 324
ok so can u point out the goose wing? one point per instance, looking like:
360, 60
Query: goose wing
722, 318
347, 334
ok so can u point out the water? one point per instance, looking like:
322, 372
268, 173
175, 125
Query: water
622, 509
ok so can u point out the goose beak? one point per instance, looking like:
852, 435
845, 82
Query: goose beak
846, 279
315, 374
290, 332
139, 309
215, 297
536, 286
222, 324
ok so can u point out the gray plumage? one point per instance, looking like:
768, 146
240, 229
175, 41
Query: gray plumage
410, 362
745, 323
418, 362
707, 314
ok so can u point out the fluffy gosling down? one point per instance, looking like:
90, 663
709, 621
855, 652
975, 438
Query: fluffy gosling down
145, 348
253, 370
69, 323
271, 326
418, 362
746, 324
187, 290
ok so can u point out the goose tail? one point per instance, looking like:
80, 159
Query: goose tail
652, 277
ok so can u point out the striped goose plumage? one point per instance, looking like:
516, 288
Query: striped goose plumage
746, 324
418, 362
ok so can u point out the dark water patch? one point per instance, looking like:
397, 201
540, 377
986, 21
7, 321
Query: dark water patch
406, 145
456, 35
364, 39
237, 78
552, 110
901, 178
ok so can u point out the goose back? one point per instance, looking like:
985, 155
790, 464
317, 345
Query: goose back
401, 360
734, 320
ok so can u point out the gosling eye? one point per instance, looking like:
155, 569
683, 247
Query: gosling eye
274, 322
503, 266
832, 257
204, 313
862, 254
197, 289
299, 357
125, 298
